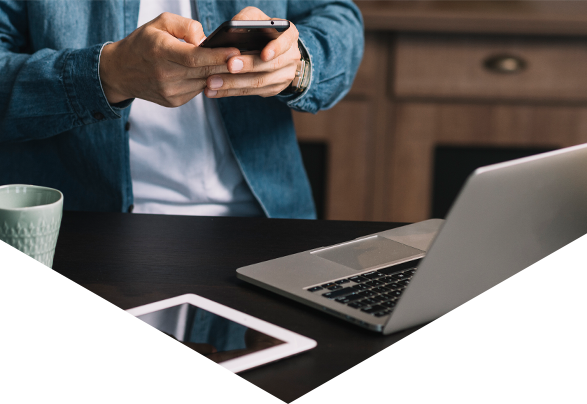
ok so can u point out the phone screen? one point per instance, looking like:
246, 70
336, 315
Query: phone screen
245, 35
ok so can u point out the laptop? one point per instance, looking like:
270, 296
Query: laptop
506, 217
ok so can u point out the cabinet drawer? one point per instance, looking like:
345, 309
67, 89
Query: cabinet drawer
487, 67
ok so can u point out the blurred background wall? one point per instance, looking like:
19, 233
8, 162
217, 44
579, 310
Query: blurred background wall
445, 87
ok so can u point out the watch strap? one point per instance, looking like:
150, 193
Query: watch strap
303, 72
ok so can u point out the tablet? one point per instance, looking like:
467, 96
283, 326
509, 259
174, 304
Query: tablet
150, 351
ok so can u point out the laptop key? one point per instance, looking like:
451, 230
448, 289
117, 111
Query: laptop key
327, 285
340, 282
373, 283
380, 289
335, 287
339, 292
399, 267
366, 293
373, 275
360, 286
381, 313
373, 309
356, 305
358, 279
389, 303
348, 298
315, 288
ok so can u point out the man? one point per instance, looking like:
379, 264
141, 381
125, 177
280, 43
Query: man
70, 71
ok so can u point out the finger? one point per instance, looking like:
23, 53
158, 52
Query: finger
269, 91
246, 64
281, 45
266, 91
204, 72
189, 55
250, 13
254, 63
180, 27
179, 94
280, 76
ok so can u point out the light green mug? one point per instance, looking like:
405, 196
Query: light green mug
30, 217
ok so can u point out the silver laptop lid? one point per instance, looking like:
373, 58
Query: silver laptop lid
507, 217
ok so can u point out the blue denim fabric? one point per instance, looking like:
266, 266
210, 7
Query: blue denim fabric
57, 129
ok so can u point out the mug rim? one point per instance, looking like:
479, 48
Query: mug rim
39, 187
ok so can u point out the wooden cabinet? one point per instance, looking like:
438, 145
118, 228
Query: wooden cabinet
490, 68
507, 74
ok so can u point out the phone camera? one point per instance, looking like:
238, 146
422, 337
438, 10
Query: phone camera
272, 23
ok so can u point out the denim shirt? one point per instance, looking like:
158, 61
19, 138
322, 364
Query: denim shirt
57, 128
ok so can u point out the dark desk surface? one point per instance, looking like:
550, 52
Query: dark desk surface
528, 349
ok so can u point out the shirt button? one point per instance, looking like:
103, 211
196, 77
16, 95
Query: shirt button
127, 126
98, 116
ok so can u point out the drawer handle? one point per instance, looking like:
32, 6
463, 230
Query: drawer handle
505, 64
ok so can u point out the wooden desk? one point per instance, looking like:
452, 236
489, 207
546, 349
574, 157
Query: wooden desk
423, 83
528, 349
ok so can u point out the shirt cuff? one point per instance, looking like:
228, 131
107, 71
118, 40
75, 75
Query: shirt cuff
293, 98
81, 78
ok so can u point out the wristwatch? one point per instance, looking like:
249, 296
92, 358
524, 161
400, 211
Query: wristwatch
303, 72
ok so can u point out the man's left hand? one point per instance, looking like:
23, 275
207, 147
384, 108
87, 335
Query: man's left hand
266, 74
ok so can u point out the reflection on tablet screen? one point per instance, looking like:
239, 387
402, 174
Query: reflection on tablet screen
156, 346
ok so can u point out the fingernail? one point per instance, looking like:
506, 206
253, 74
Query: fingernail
215, 82
211, 93
270, 54
237, 65
237, 53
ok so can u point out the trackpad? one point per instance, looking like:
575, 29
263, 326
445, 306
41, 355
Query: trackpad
367, 253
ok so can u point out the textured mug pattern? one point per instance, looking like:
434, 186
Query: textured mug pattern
26, 255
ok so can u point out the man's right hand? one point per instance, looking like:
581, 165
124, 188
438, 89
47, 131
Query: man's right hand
152, 64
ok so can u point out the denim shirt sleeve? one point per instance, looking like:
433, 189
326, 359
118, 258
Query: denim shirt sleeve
46, 92
333, 35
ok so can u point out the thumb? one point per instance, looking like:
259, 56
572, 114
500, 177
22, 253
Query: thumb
180, 27
251, 13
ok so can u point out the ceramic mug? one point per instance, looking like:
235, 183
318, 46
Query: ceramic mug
30, 217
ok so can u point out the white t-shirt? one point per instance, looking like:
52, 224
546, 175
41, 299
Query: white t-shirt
180, 159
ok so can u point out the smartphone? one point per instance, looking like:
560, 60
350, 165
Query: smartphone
245, 35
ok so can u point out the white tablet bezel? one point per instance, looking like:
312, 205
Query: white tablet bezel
20, 349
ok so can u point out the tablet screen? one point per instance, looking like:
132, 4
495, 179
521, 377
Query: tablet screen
156, 346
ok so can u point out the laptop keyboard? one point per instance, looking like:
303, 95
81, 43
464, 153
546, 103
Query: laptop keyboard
373, 292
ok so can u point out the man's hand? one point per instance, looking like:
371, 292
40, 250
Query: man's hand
152, 64
266, 74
